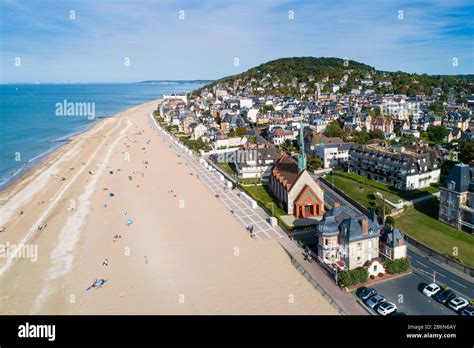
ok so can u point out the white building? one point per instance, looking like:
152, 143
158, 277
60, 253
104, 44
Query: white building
252, 115
333, 155
255, 163
246, 102
225, 143
199, 131
180, 96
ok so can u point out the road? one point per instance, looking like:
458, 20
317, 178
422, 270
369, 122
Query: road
426, 267
230, 198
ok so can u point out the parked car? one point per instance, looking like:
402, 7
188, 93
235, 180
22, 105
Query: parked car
386, 308
469, 311
458, 303
445, 296
374, 301
366, 293
431, 290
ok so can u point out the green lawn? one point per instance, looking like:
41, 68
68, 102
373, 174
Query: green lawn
364, 194
263, 195
228, 168
420, 222
371, 186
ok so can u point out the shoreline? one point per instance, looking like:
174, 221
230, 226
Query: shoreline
160, 252
28, 165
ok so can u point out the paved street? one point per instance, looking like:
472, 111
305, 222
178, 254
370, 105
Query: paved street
230, 198
423, 266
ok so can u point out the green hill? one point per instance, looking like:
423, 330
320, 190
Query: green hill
298, 76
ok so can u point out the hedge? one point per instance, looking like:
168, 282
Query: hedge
353, 277
397, 266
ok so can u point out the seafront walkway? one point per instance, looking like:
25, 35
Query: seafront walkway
343, 301
231, 199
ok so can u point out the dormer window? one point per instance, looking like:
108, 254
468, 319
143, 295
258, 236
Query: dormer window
451, 185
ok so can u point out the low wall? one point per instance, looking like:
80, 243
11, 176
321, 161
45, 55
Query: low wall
315, 284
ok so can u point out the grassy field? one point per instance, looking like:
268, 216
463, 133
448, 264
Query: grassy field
228, 168
368, 186
420, 222
362, 193
263, 195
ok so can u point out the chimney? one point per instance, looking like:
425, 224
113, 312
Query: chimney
365, 226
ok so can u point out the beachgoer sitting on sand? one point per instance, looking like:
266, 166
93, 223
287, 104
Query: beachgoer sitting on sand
3, 229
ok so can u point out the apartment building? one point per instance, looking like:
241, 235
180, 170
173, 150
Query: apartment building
395, 166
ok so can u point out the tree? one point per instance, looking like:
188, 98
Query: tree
240, 131
467, 152
390, 220
333, 129
437, 134
397, 266
376, 134
361, 137
267, 108
315, 162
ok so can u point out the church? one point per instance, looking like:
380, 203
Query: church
293, 185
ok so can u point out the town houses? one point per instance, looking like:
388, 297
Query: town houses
396, 166
281, 146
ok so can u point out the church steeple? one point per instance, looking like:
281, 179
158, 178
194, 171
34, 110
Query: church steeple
302, 156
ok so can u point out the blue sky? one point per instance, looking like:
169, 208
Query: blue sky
93, 47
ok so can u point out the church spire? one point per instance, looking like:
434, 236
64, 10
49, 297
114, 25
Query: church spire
302, 156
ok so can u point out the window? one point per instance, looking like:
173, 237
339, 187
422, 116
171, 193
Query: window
375, 268
325, 242
370, 244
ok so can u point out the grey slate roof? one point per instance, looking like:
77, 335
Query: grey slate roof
460, 174
346, 222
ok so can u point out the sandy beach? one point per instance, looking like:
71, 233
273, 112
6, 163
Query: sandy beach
101, 207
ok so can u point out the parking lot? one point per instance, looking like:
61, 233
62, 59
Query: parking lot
405, 293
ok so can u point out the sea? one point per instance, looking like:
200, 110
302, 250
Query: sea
35, 119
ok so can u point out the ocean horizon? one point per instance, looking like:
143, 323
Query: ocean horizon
36, 119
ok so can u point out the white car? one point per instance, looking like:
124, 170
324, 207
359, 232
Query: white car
458, 303
386, 308
431, 289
